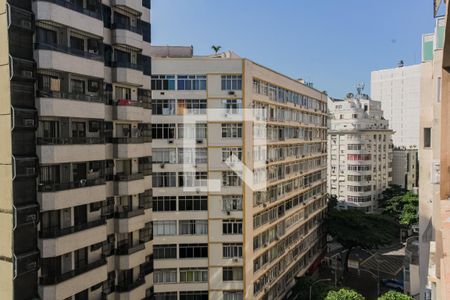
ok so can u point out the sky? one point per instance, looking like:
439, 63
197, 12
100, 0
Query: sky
334, 44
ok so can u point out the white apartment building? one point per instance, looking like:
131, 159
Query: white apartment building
215, 235
359, 152
405, 168
398, 90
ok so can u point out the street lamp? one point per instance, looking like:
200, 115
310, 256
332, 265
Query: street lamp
317, 281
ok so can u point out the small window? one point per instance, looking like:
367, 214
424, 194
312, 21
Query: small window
427, 137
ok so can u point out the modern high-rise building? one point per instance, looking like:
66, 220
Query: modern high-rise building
359, 152
398, 90
434, 184
239, 168
405, 168
75, 154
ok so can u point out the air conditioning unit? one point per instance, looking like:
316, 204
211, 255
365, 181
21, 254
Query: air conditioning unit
235, 259
170, 141
228, 212
162, 166
264, 205
199, 141
231, 93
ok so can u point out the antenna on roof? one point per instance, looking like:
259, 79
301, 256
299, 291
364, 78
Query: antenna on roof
401, 64
359, 88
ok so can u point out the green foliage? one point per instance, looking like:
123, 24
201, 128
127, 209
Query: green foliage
392, 295
318, 292
403, 208
392, 191
216, 48
344, 294
332, 202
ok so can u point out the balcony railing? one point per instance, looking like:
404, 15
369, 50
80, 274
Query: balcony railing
127, 140
78, 8
129, 214
127, 65
70, 140
70, 96
57, 232
126, 102
55, 279
146, 268
129, 177
123, 288
129, 249
94, 55
55, 187
129, 27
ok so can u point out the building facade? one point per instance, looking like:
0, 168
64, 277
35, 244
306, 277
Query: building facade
359, 152
222, 125
405, 168
398, 90
75, 150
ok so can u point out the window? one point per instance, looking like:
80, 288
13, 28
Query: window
232, 154
232, 226
231, 82
186, 203
233, 295
193, 227
191, 106
232, 130
165, 276
192, 179
164, 155
232, 202
193, 251
165, 203
232, 273
165, 251
122, 93
192, 131
163, 131
230, 178
163, 107
163, 82
427, 137
77, 86
165, 227
192, 155
194, 295
166, 296
193, 275
191, 82
232, 250
232, 106
164, 179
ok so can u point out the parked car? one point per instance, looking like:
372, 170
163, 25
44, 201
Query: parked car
393, 284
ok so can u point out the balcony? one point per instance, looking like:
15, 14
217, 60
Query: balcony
127, 73
125, 109
130, 4
66, 285
60, 241
124, 34
68, 13
129, 221
130, 147
128, 257
61, 58
133, 290
71, 149
53, 196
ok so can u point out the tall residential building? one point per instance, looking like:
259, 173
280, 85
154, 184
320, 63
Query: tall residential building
398, 90
359, 152
405, 168
434, 185
79, 72
222, 128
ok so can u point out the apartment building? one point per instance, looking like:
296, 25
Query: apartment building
75, 149
359, 152
405, 168
222, 127
434, 188
398, 90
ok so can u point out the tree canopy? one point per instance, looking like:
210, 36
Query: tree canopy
392, 295
392, 191
403, 208
344, 294
318, 291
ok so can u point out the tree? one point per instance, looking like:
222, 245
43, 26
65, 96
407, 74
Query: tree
404, 208
392, 191
216, 48
353, 228
319, 290
392, 295
344, 294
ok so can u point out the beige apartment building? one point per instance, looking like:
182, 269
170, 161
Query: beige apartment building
239, 178
75, 207
359, 152
405, 168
